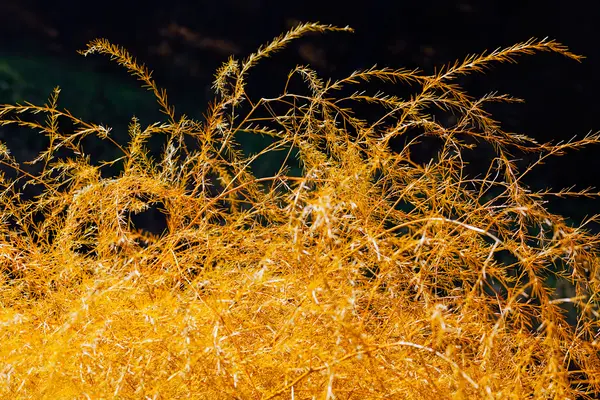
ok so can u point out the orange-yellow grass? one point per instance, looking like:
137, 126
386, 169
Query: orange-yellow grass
371, 276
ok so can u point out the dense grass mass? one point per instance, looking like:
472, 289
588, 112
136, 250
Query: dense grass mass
368, 276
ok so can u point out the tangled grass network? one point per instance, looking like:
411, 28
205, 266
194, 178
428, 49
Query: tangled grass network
370, 276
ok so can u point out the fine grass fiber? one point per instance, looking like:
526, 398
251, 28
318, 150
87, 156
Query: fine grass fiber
370, 275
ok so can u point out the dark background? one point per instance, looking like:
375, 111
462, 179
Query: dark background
185, 41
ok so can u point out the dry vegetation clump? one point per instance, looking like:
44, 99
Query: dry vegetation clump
370, 276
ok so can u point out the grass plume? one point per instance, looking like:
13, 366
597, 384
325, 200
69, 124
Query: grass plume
370, 276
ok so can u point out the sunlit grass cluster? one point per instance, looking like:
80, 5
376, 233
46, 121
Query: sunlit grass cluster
369, 276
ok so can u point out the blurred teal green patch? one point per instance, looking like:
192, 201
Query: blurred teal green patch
87, 93
269, 164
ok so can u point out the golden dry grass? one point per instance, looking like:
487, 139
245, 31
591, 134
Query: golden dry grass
370, 276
